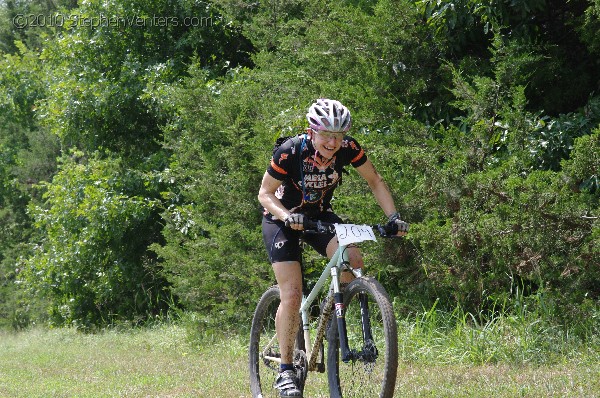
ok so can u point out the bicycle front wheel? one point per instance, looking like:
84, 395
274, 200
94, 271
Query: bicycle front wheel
264, 348
373, 342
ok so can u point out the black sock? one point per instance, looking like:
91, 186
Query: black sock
286, 366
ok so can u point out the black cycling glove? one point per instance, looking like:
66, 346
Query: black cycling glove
394, 219
294, 221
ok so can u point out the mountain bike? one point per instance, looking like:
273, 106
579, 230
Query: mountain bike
356, 321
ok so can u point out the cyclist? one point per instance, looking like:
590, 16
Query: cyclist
299, 182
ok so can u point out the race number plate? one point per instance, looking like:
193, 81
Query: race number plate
351, 233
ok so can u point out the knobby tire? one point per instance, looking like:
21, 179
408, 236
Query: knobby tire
370, 377
263, 372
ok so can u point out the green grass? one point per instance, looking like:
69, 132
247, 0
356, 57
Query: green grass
138, 363
441, 356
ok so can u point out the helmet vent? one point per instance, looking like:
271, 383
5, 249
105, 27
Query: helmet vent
331, 115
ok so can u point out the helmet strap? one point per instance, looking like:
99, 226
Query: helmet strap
304, 198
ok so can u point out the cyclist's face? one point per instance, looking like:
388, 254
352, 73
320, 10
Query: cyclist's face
327, 143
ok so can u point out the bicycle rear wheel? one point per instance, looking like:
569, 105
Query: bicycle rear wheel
264, 346
374, 344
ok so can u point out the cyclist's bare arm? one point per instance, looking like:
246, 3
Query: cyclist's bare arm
267, 198
379, 187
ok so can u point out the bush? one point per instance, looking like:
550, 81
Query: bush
92, 262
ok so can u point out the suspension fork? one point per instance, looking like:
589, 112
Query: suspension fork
369, 350
338, 300
365, 317
340, 313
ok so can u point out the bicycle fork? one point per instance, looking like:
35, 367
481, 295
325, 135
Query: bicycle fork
369, 351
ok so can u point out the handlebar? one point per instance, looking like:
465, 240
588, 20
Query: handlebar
388, 230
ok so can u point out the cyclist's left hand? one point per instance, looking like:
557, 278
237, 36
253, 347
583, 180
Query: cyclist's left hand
402, 226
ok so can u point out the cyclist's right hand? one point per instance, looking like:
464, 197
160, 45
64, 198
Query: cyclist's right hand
295, 221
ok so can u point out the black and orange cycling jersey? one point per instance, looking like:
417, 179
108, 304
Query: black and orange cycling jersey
308, 181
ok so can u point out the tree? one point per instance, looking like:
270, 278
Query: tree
224, 128
30, 21
27, 156
104, 100
98, 92
464, 30
92, 262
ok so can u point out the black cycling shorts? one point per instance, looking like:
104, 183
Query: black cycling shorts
283, 243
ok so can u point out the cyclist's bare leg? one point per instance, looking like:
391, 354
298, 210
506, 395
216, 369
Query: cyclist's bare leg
354, 256
289, 279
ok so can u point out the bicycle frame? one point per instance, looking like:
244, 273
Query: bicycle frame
336, 264
359, 295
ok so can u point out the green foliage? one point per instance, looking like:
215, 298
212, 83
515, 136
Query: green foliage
92, 262
496, 119
464, 30
552, 140
447, 180
26, 156
590, 27
481, 118
30, 22
214, 249
98, 74
463, 21
212, 254
94, 76
493, 224
504, 230
583, 169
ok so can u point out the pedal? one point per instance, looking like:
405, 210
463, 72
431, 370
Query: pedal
301, 368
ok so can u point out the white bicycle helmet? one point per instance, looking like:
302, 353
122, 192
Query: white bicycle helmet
329, 115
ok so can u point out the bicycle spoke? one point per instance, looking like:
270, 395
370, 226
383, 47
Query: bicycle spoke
364, 375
